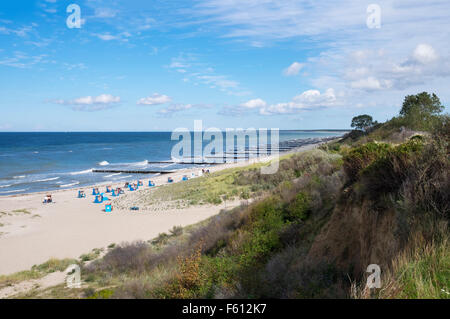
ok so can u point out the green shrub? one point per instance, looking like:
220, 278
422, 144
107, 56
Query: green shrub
361, 157
387, 173
176, 231
299, 208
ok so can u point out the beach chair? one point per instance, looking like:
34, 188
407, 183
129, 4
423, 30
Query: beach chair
131, 188
185, 178
139, 183
98, 199
108, 189
108, 208
120, 191
170, 180
114, 193
81, 194
151, 184
95, 191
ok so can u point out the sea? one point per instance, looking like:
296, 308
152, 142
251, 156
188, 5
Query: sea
37, 162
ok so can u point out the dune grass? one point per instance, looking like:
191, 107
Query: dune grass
208, 189
21, 211
421, 273
37, 271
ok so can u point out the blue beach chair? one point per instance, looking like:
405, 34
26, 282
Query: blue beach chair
108, 208
108, 189
81, 194
170, 180
139, 183
95, 191
113, 193
98, 199
151, 184
185, 178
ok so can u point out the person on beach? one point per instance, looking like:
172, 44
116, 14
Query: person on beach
48, 199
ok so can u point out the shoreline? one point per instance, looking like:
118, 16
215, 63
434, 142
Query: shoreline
32, 232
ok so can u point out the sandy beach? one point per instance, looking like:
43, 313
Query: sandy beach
32, 232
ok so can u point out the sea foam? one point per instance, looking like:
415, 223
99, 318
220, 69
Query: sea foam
82, 172
71, 184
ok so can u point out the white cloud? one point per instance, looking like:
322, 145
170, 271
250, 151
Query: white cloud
371, 83
196, 72
424, 54
385, 72
256, 103
21, 32
293, 69
308, 100
155, 99
108, 37
91, 103
23, 60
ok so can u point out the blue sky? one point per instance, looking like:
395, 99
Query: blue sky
158, 65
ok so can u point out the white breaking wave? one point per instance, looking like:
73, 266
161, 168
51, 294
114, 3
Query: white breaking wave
103, 163
167, 165
143, 163
20, 176
82, 172
46, 179
128, 176
4, 186
108, 176
71, 184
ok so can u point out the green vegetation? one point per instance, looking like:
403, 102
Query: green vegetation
95, 253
